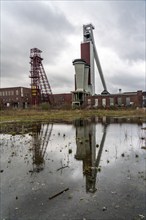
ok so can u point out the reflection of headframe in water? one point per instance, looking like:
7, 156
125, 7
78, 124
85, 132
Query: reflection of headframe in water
41, 140
86, 151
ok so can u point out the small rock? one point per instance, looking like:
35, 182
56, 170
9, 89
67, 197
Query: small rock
2, 171
70, 151
99, 169
117, 206
113, 192
141, 216
70, 196
144, 128
104, 208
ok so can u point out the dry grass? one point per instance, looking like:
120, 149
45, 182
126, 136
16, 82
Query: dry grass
32, 115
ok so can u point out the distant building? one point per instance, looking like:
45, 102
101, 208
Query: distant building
126, 99
20, 97
16, 97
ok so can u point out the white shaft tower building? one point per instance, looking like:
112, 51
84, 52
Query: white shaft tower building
84, 68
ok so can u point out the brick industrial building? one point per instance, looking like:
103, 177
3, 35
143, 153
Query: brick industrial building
20, 97
126, 99
15, 97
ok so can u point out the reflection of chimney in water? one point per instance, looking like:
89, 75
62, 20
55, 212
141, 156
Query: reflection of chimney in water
86, 151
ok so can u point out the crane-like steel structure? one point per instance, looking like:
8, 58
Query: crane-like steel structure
40, 87
89, 37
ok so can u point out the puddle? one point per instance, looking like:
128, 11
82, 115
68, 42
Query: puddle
90, 169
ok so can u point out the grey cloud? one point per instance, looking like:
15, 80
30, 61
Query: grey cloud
38, 14
127, 82
61, 81
31, 24
129, 30
119, 25
61, 84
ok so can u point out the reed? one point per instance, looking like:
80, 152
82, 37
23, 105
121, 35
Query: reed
29, 115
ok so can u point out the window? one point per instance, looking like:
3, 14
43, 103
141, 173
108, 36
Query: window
127, 101
119, 101
111, 101
89, 101
17, 92
21, 92
103, 102
96, 102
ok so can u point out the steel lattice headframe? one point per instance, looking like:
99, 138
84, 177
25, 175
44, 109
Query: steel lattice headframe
40, 87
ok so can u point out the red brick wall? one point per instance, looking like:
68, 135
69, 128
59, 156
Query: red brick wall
14, 97
135, 98
62, 99
85, 52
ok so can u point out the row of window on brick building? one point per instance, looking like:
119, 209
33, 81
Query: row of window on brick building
9, 92
110, 101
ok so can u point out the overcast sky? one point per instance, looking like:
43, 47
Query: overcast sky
55, 27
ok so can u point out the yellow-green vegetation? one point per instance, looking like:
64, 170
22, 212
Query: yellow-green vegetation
33, 115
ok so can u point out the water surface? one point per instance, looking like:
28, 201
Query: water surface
98, 163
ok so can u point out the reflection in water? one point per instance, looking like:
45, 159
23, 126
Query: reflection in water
86, 151
41, 139
25, 196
